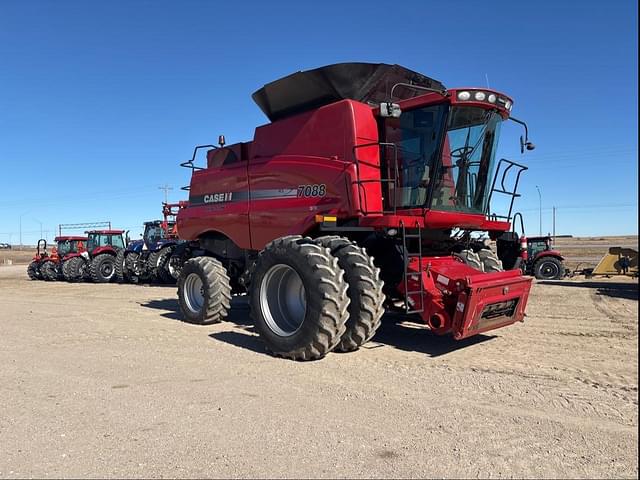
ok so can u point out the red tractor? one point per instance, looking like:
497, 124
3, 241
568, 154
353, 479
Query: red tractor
368, 191
535, 256
67, 246
97, 263
33, 269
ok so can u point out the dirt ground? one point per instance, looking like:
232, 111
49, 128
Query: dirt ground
106, 381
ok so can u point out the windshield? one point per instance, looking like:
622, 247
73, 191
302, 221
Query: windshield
64, 247
104, 240
153, 233
468, 157
416, 135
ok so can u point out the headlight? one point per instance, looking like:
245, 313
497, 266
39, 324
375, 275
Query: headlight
464, 95
507, 105
480, 96
491, 98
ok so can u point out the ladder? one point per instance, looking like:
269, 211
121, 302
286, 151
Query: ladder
412, 275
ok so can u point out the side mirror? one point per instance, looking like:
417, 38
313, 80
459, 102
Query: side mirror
388, 109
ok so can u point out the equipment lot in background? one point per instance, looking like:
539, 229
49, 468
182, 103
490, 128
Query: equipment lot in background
580, 250
105, 380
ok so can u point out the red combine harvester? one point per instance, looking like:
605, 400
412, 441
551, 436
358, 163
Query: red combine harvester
67, 247
97, 263
368, 190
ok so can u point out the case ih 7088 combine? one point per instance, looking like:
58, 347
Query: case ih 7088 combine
366, 191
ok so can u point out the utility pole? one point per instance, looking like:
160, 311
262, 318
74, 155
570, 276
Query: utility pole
40, 226
540, 207
166, 189
21, 215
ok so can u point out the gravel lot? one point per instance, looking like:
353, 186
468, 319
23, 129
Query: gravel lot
106, 381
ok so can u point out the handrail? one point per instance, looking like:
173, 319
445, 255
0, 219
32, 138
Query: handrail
504, 190
381, 180
189, 163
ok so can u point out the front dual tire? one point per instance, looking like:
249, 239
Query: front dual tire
298, 299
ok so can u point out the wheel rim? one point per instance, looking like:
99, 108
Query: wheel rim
174, 269
193, 293
549, 270
106, 269
283, 300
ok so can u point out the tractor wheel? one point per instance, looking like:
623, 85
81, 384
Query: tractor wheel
121, 274
32, 271
204, 291
548, 268
102, 268
133, 267
153, 263
163, 266
74, 269
470, 258
48, 271
179, 256
298, 299
364, 291
490, 261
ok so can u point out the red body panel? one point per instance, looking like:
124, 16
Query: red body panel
315, 149
549, 253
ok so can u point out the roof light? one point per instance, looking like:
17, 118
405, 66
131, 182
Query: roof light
508, 105
480, 96
464, 95
491, 98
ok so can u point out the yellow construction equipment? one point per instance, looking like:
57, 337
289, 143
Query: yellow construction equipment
619, 261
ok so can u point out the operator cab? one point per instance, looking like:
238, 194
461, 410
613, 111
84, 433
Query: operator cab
440, 151
104, 238
67, 245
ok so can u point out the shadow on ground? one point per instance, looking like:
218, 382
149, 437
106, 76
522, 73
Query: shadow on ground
395, 331
239, 313
399, 332
625, 290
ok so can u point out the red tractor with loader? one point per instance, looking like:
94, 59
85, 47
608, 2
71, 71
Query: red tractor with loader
66, 248
97, 262
535, 256
369, 190
33, 269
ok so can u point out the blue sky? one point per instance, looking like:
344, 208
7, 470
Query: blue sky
100, 101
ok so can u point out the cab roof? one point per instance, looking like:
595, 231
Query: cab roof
64, 238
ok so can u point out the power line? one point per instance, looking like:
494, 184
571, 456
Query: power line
166, 189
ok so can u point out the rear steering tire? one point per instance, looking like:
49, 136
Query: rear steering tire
366, 305
204, 291
490, 261
298, 298
470, 258
163, 266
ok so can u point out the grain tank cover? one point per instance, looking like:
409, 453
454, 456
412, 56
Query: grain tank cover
364, 82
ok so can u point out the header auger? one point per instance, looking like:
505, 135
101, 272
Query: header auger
369, 189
